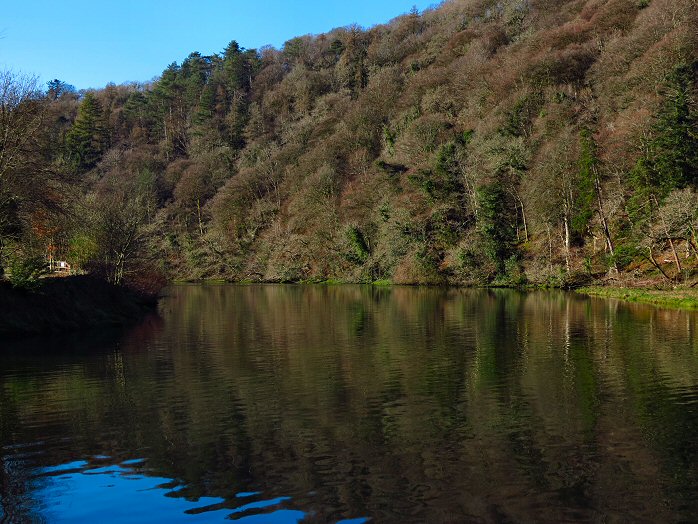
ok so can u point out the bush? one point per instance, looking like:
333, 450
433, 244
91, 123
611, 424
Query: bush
514, 274
576, 279
359, 246
24, 273
623, 256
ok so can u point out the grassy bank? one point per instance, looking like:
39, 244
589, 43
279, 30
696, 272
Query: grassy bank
67, 304
674, 298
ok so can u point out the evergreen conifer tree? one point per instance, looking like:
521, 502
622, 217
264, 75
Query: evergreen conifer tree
87, 139
495, 223
670, 159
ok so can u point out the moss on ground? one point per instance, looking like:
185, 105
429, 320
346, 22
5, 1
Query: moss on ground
673, 298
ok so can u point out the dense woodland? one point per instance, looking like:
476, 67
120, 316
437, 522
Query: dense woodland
479, 142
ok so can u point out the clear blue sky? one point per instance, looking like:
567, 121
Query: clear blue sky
91, 43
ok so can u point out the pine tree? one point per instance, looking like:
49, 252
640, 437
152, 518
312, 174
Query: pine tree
670, 158
169, 104
87, 138
194, 73
675, 149
239, 66
585, 186
234, 68
495, 223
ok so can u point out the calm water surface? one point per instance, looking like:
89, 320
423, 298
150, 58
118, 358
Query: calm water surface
280, 404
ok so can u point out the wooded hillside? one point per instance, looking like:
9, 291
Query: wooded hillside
482, 141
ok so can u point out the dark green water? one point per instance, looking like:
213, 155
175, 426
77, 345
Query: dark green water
325, 404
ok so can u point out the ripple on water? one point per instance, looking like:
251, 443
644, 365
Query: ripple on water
92, 491
81, 491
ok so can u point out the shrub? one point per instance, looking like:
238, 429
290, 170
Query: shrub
514, 274
624, 255
25, 272
358, 244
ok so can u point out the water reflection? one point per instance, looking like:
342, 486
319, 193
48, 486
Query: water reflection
80, 491
324, 404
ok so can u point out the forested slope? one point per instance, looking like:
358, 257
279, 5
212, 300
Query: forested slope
478, 142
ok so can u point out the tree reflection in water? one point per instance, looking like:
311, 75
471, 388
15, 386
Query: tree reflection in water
399, 404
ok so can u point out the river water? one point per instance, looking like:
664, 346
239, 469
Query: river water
280, 404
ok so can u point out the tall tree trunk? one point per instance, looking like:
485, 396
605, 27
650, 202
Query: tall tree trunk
655, 264
167, 147
677, 261
198, 213
604, 223
692, 242
566, 221
550, 249
523, 218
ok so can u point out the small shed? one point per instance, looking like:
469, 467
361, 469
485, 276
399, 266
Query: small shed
61, 266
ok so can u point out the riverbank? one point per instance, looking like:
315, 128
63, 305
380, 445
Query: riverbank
670, 298
67, 304
683, 298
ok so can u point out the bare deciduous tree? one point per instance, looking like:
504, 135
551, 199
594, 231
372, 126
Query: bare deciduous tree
21, 118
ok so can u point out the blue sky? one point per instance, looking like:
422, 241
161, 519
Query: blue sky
91, 43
